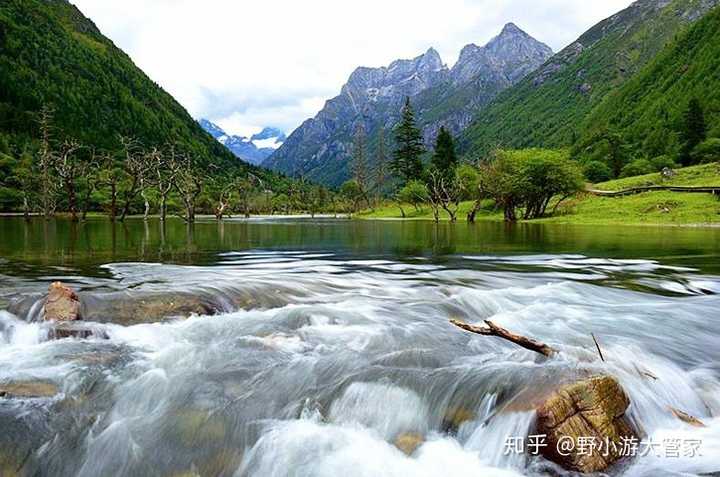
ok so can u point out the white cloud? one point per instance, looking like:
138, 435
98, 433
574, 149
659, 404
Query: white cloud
246, 64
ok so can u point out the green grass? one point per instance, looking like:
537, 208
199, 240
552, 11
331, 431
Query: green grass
390, 210
703, 175
650, 208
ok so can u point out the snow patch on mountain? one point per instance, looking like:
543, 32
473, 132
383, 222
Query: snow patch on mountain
253, 150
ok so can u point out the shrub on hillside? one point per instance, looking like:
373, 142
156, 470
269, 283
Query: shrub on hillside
707, 151
596, 171
661, 162
638, 167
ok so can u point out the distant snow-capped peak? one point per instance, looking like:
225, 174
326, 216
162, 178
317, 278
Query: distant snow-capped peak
254, 149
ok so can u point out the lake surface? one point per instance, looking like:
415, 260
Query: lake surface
330, 338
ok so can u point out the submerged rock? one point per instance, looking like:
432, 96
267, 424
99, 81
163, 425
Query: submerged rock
593, 409
408, 442
455, 417
61, 304
76, 330
125, 309
27, 389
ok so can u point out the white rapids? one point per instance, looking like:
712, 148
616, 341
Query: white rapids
353, 353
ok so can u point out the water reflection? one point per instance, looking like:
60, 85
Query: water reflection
97, 241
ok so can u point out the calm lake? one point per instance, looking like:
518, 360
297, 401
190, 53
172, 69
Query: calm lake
322, 341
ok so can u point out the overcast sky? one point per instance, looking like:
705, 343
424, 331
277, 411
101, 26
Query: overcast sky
246, 64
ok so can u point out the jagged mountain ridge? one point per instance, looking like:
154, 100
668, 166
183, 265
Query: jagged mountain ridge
320, 149
253, 150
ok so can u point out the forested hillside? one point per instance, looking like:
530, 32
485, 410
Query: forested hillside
549, 107
671, 109
52, 56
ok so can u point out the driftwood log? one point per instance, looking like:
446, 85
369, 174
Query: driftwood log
494, 330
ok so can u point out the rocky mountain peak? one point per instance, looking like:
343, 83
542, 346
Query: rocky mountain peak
511, 29
513, 54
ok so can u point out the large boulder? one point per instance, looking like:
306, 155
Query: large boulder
592, 410
61, 304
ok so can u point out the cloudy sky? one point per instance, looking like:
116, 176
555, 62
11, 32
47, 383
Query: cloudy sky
246, 64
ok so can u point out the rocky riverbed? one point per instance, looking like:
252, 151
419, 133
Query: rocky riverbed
311, 364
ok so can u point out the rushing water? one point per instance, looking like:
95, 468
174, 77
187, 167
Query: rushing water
332, 339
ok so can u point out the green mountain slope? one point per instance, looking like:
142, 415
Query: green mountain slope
51, 54
547, 108
648, 110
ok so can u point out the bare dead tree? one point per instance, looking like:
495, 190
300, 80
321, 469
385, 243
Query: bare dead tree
163, 167
154, 163
89, 180
188, 182
46, 159
443, 194
135, 168
110, 176
225, 193
69, 167
245, 187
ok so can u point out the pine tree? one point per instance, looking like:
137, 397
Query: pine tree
359, 158
381, 164
359, 162
406, 163
444, 158
694, 131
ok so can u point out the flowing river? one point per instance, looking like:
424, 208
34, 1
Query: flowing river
329, 339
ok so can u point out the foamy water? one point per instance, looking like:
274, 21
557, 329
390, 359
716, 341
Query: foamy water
336, 358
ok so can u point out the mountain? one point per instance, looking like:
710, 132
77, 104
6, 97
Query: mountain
253, 150
647, 111
320, 149
548, 107
52, 55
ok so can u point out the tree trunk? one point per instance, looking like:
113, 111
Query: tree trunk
26, 208
146, 213
163, 206
72, 200
473, 212
113, 202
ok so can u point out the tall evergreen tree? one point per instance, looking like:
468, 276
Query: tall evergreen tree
406, 163
444, 158
359, 157
694, 130
381, 164
359, 163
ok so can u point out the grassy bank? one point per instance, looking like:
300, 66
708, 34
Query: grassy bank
650, 208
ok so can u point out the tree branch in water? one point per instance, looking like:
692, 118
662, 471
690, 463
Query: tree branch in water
494, 330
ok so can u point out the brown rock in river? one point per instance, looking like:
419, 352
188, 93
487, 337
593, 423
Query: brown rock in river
408, 442
61, 304
593, 409
27, 389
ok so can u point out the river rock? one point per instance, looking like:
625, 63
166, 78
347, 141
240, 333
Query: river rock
61, 304
408, 442
27, 389
455, 417
593, 408
76, 330
127, 309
